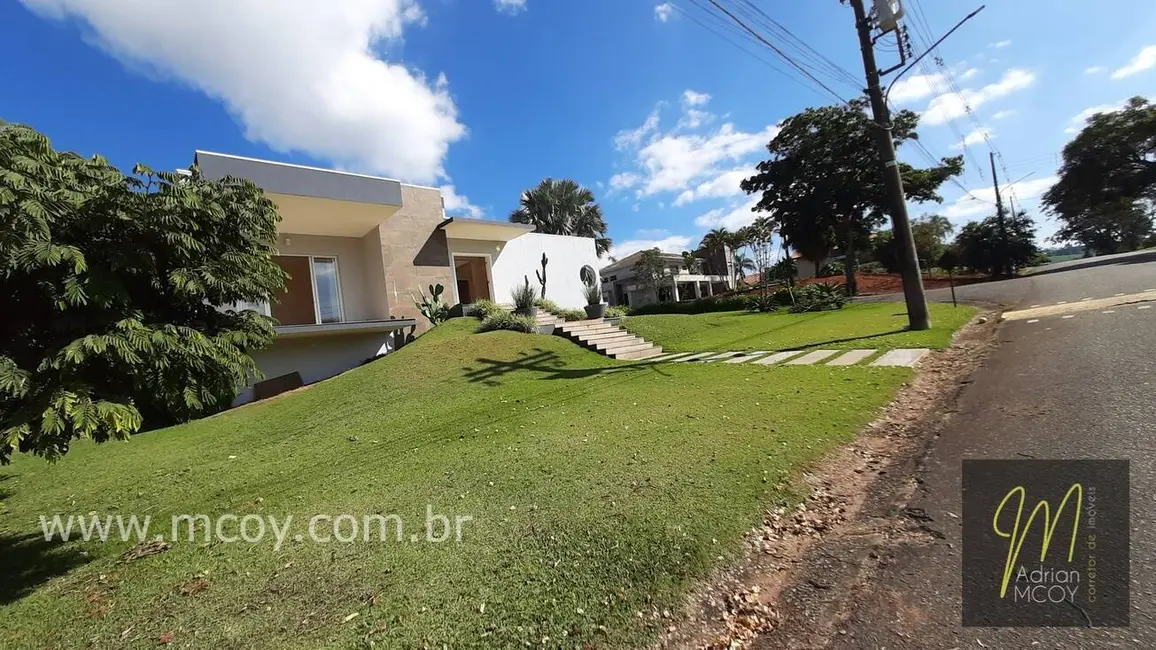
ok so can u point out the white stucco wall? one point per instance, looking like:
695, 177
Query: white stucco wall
513, 261
316, 358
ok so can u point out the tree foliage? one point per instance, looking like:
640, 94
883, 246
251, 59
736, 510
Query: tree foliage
1107, 181
109, 287
563, 207
977, 244
823, 183
649, 270
930, 233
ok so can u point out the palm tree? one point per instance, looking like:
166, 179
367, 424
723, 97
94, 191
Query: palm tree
742, 265
563, 207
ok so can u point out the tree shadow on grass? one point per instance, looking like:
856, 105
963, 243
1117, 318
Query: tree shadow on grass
547, 365
27, 560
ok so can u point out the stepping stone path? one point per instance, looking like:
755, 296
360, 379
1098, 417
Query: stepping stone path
901, 357
904, 357
812, 358
851, 358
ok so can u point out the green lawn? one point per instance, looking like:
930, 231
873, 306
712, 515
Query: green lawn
862, 325
597, 490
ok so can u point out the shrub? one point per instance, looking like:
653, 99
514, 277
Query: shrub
569, 315
505, 320
819, 297
701, 306
524, 296
831, 268
762, 302
616, 311
872, 267
593, 294
483, 308
546, 304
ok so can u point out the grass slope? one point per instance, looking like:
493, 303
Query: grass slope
862, 325
598, 490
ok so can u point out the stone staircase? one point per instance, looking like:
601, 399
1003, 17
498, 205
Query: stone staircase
607, 338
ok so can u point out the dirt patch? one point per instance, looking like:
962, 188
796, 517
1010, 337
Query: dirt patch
801, 566
877, 284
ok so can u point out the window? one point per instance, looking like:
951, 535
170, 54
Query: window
328, 289
312, 292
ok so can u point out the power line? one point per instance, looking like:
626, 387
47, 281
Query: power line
820, 61
783, 55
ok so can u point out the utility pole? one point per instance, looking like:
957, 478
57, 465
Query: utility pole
917, 315
1002, 267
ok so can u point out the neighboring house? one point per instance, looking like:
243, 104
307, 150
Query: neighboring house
621, 287
359, 248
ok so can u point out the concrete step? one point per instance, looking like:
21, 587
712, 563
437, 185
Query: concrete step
623, 346
592, 338
586, 326
636, 352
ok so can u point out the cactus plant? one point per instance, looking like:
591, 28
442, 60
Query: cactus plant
542, 274
433, 307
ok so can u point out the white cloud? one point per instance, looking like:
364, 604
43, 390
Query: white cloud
672, 162
298, 75
731, 217
1096, 69
1000, 44
692, 98
624, 180
984, 202
651, 233
975, 137
694, 118
511, 7
669, 244
723, 185
1079, 120
950, 106
663, 12
632, 138
999, 115
915, 87
1144, 60
969, 73
459, 204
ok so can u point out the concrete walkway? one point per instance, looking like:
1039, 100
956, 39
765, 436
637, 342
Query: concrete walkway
903, 357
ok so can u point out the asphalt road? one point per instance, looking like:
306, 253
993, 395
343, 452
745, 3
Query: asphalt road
1076, 387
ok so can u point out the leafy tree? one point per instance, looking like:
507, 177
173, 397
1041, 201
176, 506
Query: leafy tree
650, 270
759, 237
823, 181
930, 234
1108, 181
977, 244
109, 290
693, 264
743, 264
563, 207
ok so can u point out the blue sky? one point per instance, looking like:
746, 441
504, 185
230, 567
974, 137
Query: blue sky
632, 98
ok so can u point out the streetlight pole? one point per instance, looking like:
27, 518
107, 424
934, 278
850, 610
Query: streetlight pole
917, 315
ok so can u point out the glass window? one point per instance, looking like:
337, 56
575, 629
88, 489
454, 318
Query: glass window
328, 289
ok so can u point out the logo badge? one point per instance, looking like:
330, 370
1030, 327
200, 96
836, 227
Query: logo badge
1045, 543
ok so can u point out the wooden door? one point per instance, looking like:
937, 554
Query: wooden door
296, 306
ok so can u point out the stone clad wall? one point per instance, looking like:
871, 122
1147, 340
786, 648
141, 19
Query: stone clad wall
415, 252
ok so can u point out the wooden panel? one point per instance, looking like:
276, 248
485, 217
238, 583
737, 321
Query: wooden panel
296, 306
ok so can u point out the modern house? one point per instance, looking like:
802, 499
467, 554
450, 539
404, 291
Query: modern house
358, 248
715, 274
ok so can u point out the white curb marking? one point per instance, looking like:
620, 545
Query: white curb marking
1144, 307
1069, 316
812, 357
1108, 311
904, 357
851, 358
1034, 320
778, 356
